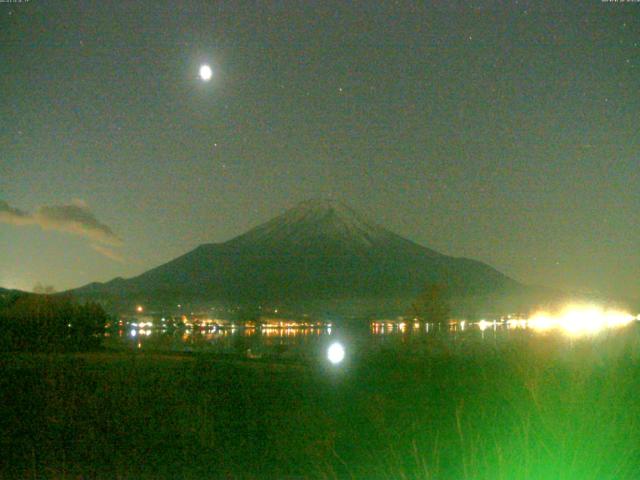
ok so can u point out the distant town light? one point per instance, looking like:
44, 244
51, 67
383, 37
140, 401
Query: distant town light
580, 320
335, 353
139, 309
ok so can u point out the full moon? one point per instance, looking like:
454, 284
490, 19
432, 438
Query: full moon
205, 72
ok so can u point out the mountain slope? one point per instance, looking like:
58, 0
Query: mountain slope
8, 296
319, 250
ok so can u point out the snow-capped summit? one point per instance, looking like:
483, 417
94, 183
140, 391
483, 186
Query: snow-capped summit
316, 221
320, 251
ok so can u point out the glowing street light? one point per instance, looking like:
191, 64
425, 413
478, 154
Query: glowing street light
580, 320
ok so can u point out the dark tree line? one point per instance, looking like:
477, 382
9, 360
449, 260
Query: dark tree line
50, 323
432, 304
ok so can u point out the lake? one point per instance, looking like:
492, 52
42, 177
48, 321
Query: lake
359, 338
533, 399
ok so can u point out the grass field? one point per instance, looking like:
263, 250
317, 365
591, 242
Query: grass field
535, 409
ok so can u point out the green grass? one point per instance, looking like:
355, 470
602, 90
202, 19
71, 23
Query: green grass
530, 410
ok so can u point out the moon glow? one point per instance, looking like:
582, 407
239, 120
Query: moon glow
205, 73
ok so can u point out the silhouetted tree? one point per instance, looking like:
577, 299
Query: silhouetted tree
51, 323
247, 314
432, 304
46, 289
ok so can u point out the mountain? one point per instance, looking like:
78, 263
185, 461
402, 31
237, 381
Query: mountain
319, 252
8, 296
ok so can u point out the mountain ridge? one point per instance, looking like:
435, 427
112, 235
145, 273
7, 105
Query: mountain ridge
316, 251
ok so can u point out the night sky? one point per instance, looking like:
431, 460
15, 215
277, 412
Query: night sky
509, 134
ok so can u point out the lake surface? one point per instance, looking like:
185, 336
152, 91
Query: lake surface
560, 397
359, 338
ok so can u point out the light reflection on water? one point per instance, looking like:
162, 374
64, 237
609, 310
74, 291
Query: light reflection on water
254, 342
238, 340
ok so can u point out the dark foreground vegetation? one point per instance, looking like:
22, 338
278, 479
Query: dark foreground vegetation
535, 410
48, 323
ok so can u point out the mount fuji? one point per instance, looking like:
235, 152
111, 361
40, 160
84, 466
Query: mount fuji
319, 252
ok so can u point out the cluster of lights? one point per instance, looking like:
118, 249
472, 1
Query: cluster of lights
577, 320
483, 325
142, 324
135, 333
573, 320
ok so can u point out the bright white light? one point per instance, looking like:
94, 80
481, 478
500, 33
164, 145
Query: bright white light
335, 353
483, 325
205, 72
542, 322
578, 320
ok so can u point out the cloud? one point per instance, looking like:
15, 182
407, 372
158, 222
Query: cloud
9, 214
75, 218
108, 252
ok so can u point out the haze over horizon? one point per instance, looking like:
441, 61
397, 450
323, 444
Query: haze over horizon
504, 134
